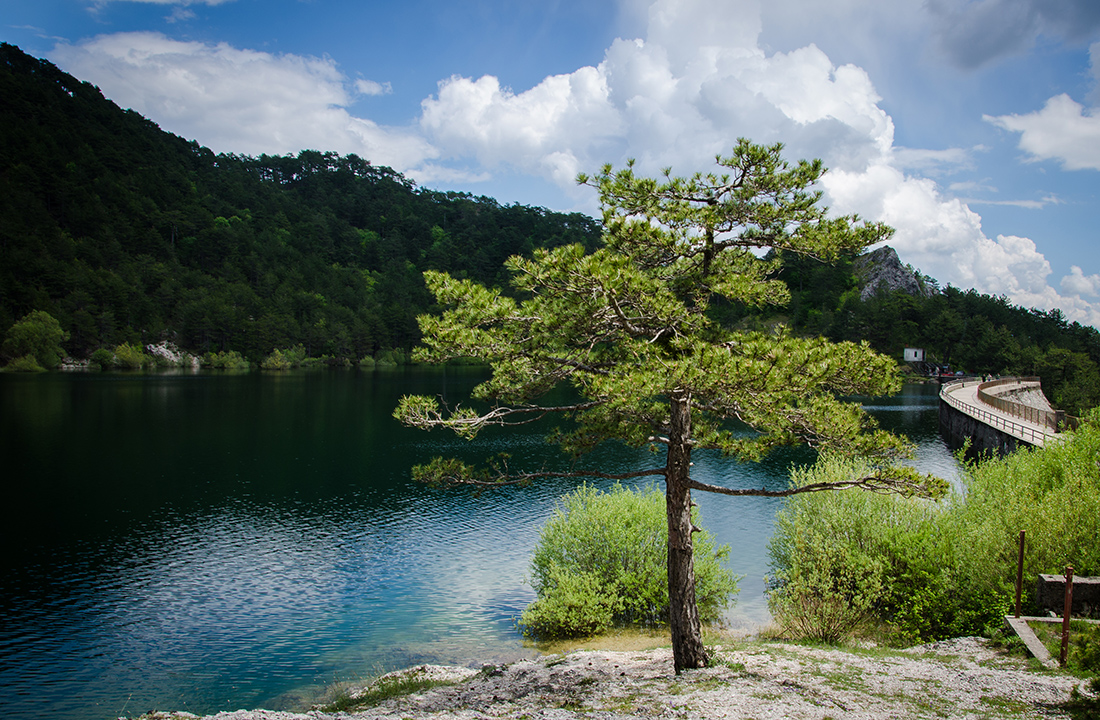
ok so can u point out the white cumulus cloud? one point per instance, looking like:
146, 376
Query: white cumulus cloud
676, 98
691, 87
1077, 283
1063, 130
240, 101
372, 87
543, 130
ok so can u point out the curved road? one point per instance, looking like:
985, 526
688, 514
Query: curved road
963, 396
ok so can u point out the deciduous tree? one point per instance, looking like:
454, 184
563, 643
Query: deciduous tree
37, 335
629, 327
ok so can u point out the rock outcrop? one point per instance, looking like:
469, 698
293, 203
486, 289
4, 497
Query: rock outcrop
882, 269
170, 355
963, 678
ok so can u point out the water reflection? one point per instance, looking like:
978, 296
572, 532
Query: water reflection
212, 542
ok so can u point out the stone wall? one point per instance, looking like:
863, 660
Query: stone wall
956, 427
1050, 594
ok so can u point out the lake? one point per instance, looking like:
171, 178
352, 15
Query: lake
209, 542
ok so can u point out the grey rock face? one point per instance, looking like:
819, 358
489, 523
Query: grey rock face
883, 269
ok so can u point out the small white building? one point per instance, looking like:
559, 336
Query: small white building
914, 354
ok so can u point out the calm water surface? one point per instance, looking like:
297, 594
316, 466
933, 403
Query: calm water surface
213, 542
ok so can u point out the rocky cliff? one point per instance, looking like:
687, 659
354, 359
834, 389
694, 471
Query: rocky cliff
882, 268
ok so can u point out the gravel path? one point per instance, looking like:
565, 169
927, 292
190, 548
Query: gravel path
961, 678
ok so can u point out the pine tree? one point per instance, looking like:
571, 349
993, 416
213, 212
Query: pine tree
629, 327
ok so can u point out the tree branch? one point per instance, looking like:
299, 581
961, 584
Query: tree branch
424, 413
449, 473
904, 485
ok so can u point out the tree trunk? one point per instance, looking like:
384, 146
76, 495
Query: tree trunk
683, 614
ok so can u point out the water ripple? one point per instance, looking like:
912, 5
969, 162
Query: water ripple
272, 541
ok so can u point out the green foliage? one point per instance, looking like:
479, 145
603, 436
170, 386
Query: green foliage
131, 357
1084, 650
936, 570
384, 688
225, 360
103, 358
571, 605
823, 589
600, 562
36, 340
391, 358
123, 231
628, 323
25, 363
287, 359
277, 361
160, 361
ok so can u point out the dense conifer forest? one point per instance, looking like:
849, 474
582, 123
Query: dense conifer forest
127, 234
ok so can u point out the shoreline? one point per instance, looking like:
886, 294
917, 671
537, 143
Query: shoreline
763, 680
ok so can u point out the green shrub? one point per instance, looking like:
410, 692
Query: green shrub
286, 359
37, 336
601, 561
822, 588
276, 361
131, 357
572, 605
935, 570
225, 360
103, 358
1084, 652
367, 363
390, 358
26, 363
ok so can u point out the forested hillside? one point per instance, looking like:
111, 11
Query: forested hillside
126, 233
965, 330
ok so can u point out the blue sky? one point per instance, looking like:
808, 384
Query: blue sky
970, 126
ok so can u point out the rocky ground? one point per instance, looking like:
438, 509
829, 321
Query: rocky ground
962, 678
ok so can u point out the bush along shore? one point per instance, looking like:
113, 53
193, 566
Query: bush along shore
959, 678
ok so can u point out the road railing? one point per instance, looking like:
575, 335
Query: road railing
1053, 419
994, 417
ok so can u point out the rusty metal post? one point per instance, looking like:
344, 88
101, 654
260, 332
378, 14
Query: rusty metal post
1065, 615
1020, 574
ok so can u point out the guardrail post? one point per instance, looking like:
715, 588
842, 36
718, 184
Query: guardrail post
1020, 574
1065, 615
